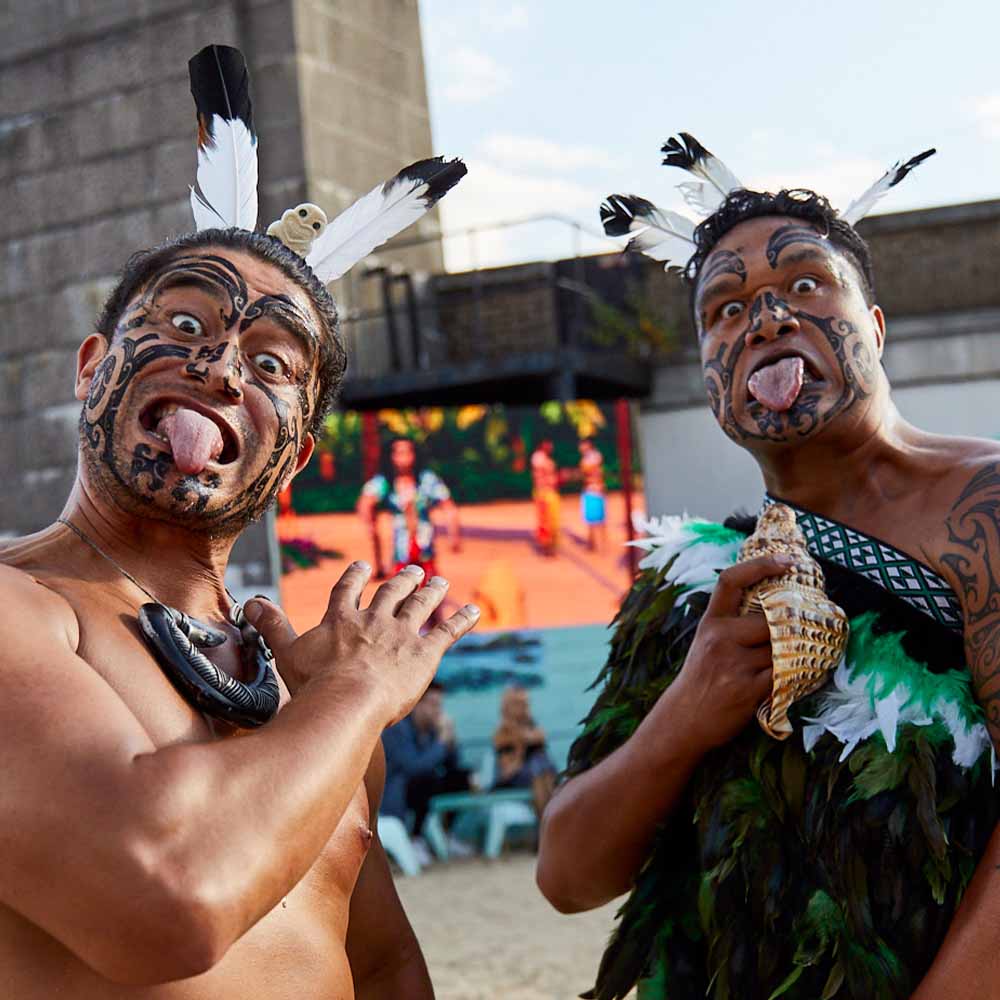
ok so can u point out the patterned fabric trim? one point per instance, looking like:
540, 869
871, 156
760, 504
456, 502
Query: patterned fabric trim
894, 571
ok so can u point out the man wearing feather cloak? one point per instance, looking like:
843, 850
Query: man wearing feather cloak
859, 858
189, 790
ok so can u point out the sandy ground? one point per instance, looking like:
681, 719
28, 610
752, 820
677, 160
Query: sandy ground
574, 587
488, 934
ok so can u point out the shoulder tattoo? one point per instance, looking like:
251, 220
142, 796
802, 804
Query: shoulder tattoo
972, 555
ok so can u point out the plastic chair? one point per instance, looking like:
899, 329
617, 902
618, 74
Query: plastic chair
396, 841
504, 816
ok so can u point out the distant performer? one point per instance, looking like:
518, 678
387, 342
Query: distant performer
545, 493
410, 496
592, 506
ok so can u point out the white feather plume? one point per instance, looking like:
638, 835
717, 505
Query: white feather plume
865, 202
226, 192
227, 178
382, 213
718, 180
657, 232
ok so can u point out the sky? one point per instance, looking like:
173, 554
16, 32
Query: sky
554, 104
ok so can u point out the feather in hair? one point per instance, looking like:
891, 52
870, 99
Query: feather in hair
382, 213
690, 155
656, 232
226, 193
863, 204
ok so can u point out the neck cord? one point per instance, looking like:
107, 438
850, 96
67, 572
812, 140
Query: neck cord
104, 555
177, 641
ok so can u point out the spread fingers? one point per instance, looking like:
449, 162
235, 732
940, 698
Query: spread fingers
391, 595
419, 606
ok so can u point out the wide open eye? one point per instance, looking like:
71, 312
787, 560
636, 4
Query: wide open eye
803, 286
269, 363
187, 323
731, 310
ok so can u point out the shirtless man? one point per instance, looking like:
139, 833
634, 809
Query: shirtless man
409, 494
791, 341
592, 497
545, 493
147, 851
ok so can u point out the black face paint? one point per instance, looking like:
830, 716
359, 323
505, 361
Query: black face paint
207, 356
145, 472
723, 262
719, 263
786, 235
855, 361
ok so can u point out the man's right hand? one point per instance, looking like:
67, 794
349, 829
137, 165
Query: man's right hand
727, 673
378, 649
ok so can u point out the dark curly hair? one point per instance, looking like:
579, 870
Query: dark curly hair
142, 266
795, 203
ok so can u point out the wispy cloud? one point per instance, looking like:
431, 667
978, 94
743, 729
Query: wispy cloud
531, 152
986, 112
472, 75
840, 179
494, 194
503, 17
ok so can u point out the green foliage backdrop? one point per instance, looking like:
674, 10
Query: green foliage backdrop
481, 452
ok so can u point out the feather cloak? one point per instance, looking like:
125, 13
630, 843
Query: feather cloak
786, 872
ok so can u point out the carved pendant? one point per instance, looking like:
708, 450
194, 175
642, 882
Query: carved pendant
177, 642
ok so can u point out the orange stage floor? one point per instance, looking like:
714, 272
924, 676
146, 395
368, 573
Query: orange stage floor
499, 566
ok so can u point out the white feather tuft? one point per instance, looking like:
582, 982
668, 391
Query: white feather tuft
689, 154
658, 233
382, 213
865, 202
227, 177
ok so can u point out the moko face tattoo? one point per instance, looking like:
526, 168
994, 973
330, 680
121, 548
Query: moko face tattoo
783, 308
198, 411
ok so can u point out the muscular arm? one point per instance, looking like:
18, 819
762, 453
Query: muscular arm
598, 828
385, 956
968, 963
166, 856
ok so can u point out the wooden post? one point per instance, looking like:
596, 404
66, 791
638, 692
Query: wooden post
623, 415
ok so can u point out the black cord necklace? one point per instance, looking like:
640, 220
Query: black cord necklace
177, 641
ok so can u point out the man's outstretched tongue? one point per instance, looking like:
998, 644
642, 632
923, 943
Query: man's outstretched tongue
194, 440
777, 386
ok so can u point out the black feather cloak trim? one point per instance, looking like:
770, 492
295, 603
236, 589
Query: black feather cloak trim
787, 873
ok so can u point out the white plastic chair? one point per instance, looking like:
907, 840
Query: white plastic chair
397, 844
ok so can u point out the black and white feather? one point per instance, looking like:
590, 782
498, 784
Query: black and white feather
706, 195
382, 213
658, 233
864, 203
226, 192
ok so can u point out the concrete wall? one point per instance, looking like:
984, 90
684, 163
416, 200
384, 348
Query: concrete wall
97, 151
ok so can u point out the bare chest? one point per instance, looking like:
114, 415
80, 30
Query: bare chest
111, 645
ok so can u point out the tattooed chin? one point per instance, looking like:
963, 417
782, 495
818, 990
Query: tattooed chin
144, 481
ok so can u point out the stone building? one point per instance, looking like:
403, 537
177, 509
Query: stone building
97, 151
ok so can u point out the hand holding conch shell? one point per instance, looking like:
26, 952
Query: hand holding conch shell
727, 671
808, 631
299, 226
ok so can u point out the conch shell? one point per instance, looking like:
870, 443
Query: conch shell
808, 631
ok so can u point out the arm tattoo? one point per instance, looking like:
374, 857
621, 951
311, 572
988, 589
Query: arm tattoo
973, 557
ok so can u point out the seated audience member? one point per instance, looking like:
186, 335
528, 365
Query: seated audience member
421, 761
522, 760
